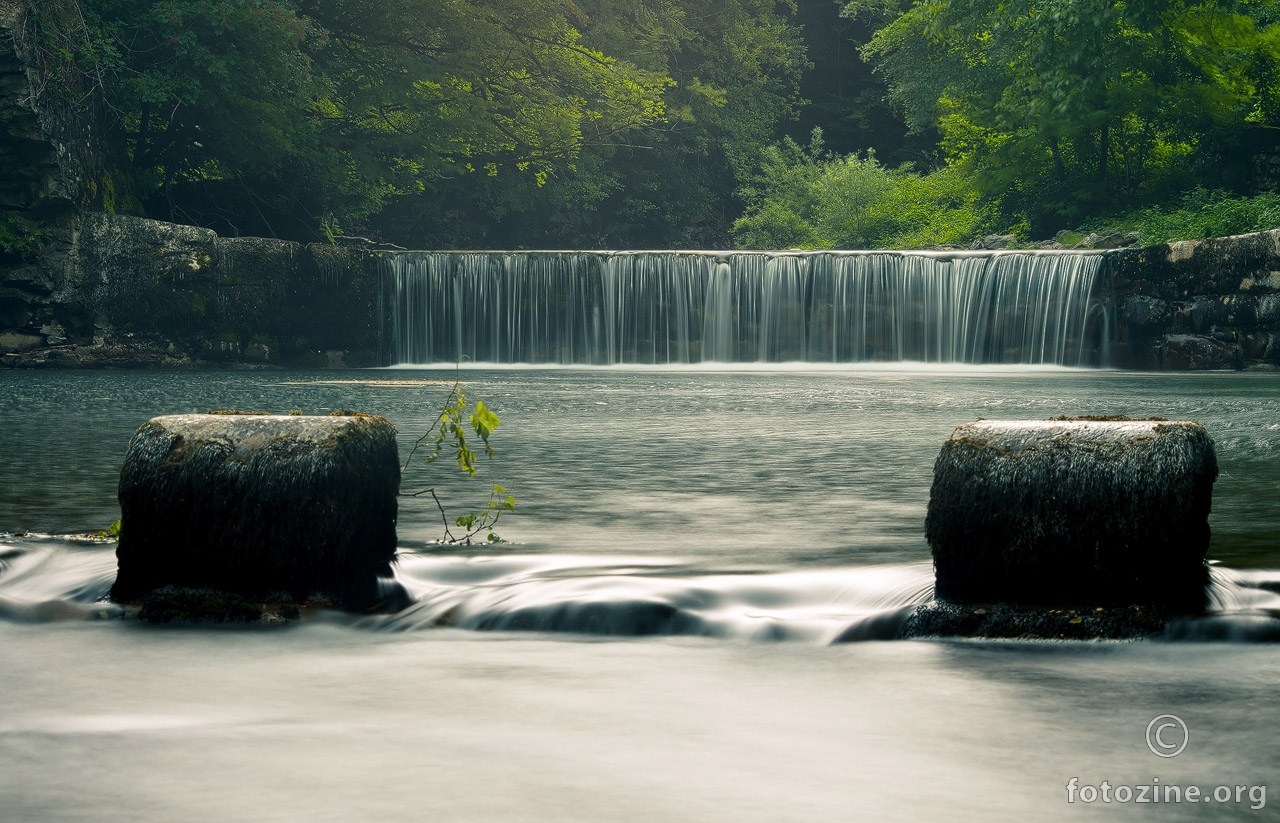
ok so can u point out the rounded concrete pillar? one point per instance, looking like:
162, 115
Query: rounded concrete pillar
1070, 512
259, 505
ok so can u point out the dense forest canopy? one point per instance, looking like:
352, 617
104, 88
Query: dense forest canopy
683, 123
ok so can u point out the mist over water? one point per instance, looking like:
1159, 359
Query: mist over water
657, 638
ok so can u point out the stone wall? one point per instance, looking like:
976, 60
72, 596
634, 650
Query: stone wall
113, 290
124, 291
127, 291
1198, 304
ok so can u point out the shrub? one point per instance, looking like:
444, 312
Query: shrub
1199, 213
22, 238
809, 198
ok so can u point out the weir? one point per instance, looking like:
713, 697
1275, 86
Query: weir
659, 307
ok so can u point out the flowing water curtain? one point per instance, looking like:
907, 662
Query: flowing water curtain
605, 308
719, 341
783, 315
405, 293
1040, 308
655, 305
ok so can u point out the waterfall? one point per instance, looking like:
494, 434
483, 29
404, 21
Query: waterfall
604, 308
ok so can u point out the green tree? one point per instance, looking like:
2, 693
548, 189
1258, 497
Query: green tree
811, 199
736, 67
220, 90
1066, 108
733, 69
322, 110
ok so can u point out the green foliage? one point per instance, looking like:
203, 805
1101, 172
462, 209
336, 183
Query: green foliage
211, 88
449, 426
487, 518
21, 237
111, 532
444, 123
811, 199
732, 69
736, 67
324, 110
1200, 213
538, 123
449, 430
1061, 110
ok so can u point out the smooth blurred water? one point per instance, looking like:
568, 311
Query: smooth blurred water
655, 307
714, 509
750, 466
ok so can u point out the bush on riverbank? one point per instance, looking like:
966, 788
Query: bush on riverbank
1200, 213
809, 198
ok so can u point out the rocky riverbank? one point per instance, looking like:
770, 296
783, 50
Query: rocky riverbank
117, 291
1198, 305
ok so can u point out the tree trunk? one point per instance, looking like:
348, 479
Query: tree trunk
1104, 153
1059, 169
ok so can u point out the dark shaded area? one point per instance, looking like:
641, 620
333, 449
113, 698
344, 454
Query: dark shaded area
172, 605
258, 505
1009, 621
1073, 514
1259, 627
844, 95
631, 618
125, 291
1006, 621
55, 156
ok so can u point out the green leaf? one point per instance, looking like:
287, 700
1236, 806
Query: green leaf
484, 421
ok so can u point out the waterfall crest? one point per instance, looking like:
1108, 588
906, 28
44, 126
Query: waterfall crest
605, 308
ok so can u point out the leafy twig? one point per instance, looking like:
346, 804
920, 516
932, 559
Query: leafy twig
449, 426
484, 520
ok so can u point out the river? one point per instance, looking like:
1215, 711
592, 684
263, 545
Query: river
658, 638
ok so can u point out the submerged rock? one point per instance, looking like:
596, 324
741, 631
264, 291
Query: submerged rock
183, 606
256, 504
1009, 621
623, 618
127, 355
1073, 513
